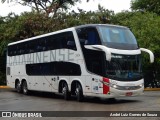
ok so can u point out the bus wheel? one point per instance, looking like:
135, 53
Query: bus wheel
65, 91
18, 87
24, 88
79, 92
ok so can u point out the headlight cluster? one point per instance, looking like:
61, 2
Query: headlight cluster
123, 87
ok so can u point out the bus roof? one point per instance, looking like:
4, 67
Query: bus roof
64, 30
43, 35
95, 25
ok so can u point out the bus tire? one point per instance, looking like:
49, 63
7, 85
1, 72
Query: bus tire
25, 88
79, 93
65, 91
18, 87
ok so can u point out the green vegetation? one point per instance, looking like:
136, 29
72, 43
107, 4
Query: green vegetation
143, 22
146, 5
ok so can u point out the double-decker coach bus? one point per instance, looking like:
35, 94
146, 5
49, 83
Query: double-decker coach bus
97, 60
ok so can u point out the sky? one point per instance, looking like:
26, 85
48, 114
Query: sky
115, 5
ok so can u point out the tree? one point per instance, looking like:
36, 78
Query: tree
101, 16
146, 5
8, 29
6, 35
47, 6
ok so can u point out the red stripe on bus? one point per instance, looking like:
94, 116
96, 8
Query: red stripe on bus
105, 87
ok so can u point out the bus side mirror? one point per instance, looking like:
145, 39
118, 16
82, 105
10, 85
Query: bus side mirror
150, 54
100, 48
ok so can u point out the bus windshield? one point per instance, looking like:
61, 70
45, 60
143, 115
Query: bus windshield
124, 67
117, 37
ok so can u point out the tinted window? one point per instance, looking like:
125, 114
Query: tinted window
53, 68
88, 36
8, 71
57, 41
94, 59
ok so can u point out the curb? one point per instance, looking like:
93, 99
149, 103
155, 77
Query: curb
4, 87
152, 89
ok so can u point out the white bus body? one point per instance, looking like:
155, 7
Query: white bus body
88, 60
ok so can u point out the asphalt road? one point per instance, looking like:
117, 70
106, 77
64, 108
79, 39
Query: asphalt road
10, 100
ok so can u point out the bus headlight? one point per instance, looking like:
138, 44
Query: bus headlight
141, 85
109, 84
106, 83
114, 86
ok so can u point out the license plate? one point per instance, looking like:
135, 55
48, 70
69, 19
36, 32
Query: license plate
129, 94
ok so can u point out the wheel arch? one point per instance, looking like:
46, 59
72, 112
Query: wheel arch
16, 81
73, 85
60, 85
23, 80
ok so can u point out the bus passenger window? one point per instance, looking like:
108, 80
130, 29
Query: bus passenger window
92, 38
88, 36
8, 71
